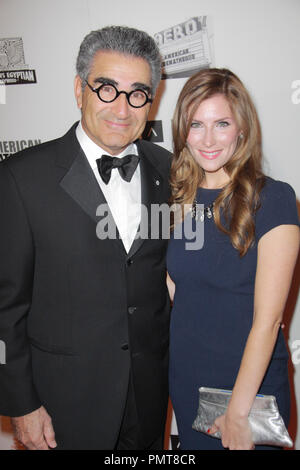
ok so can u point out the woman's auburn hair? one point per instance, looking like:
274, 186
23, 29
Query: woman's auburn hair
239, 199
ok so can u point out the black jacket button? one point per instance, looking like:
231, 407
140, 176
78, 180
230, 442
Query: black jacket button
131, 310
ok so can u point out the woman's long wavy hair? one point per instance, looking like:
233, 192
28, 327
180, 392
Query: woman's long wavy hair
240, 198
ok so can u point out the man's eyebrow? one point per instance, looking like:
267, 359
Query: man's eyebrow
107, 80
141, 86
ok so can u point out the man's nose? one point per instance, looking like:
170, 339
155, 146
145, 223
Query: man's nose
121, 106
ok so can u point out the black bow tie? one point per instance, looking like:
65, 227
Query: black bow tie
126, 166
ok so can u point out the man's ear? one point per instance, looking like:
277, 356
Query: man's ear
78, 91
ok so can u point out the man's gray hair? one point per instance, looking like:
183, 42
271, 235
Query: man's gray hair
123, 40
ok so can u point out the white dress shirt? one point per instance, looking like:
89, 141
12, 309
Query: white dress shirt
123, 198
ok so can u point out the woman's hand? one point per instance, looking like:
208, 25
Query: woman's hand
235, 432
171, 287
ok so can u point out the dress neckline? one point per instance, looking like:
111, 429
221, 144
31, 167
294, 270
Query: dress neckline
200, 188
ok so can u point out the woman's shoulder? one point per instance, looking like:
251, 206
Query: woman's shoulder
278, 206
277, 189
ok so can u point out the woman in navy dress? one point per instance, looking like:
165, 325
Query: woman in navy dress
228, 296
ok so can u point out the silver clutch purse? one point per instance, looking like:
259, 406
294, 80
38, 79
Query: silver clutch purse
266, 424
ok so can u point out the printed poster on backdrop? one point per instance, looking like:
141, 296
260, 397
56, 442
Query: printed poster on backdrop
13, 70
9, 147
186, 47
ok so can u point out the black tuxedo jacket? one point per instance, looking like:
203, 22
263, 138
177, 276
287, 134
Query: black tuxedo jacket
77, 313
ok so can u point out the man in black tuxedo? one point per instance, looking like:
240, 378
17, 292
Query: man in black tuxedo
85, 317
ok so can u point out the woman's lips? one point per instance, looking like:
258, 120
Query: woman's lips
210, 155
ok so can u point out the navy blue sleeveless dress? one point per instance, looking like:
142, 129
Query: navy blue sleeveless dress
212, 313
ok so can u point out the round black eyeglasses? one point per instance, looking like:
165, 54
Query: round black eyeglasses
108, 93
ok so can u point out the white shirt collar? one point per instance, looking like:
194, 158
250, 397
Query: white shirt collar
94, 151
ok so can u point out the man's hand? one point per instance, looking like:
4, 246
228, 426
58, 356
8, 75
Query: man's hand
35, 430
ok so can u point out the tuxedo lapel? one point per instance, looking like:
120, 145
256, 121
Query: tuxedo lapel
80, 184
151, 190
79, 181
